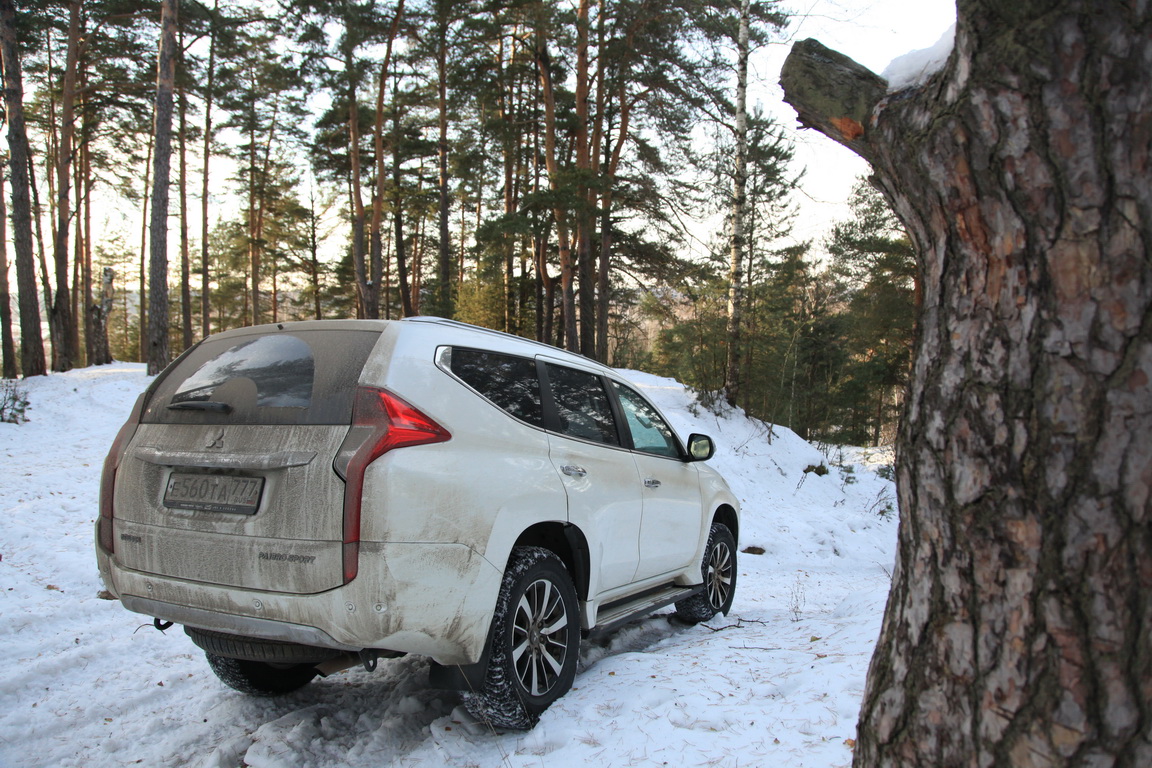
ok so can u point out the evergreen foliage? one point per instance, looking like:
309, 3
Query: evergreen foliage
531, 166
826, 352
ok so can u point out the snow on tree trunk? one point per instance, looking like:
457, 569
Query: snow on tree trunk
1018, 627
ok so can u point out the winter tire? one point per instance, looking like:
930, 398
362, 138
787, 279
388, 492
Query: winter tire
259, 678
719, 571
535, 642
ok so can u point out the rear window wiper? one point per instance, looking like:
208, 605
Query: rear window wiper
201, 405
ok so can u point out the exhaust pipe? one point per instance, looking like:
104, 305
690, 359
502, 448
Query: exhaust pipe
337, 664
366, 658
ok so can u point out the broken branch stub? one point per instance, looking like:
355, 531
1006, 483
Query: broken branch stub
832, 93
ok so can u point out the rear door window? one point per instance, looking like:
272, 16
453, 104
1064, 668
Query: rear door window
508, 381
302, 377
583, 409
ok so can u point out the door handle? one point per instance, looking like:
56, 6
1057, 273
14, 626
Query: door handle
651, 482
573, 471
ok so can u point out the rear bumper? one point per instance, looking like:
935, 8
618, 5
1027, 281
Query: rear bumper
247, 626
428, 599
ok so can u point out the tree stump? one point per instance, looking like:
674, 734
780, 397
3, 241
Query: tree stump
1017, 630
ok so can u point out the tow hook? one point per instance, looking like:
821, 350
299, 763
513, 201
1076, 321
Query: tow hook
161, 625
368, 657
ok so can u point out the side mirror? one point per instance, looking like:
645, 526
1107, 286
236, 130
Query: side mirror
700, 447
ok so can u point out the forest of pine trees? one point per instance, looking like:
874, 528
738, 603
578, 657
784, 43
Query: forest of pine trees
537, 167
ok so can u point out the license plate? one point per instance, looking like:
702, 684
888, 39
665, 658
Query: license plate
214, 493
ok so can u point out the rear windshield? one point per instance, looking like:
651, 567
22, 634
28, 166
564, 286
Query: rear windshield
285, 377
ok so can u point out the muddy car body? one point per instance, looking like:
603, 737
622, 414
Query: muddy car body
306, 496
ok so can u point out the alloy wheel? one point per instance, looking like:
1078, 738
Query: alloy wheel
540, 630
719, 578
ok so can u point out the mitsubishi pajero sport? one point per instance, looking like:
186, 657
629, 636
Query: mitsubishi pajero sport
305, 497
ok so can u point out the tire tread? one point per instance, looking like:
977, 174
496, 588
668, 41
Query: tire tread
697, 608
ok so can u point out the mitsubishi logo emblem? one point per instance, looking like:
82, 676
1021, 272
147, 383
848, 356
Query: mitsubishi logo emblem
216, 442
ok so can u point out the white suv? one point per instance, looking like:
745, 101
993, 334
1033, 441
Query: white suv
305, 497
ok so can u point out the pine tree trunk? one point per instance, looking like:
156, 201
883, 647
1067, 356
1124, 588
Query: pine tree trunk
443, 304
739, 199
209, 94
367, 292
252, 299
95, 328
158, 354
261, 206
37, 216
61, 317
509, 98
142, 325
32, 362
601, 160
376, 266
567, 267
101, 351
585, 263
80, 266
314, 255
613, 153
398, 210
185, 256
7, 338
1019, 627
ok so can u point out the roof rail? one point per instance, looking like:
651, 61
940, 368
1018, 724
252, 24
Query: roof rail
433, 320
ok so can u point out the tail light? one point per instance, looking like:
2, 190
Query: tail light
381, 422
108, 476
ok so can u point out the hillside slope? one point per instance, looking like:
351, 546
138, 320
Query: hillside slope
778, 682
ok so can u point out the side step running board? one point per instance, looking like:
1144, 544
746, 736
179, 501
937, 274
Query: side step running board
613, 615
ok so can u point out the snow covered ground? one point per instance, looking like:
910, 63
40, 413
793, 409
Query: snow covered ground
778, 682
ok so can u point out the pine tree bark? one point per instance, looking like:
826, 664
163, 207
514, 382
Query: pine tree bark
7, 338
101, 351
158, 347
567, 267
142, 324
1019, 626
510, 101
601, 141
82, 269
96, 347
367, 292
32, 361
258, 190
613, 152
406, 307
209, 94
61, 317
443, 303
585, 264
376, 266
739, 201
185, 255
313, 262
